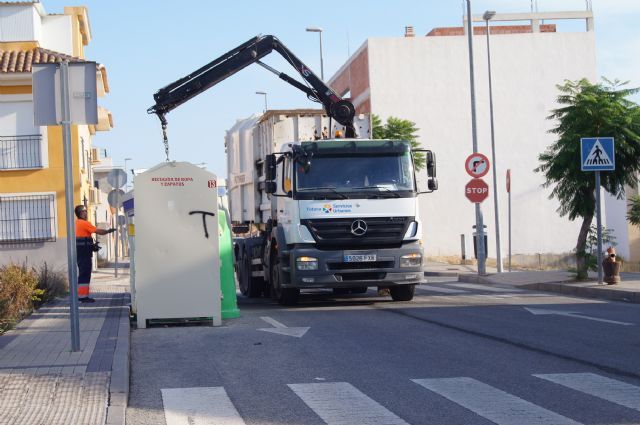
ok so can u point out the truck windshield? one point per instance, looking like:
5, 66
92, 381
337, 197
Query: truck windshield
378, 175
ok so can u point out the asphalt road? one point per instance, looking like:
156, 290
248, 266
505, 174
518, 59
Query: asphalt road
457, 354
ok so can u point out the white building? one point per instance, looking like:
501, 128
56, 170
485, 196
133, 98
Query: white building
426, 80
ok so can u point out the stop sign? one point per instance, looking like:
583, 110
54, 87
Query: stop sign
476, 190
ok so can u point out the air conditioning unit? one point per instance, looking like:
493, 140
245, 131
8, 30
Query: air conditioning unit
94, 196
95, 155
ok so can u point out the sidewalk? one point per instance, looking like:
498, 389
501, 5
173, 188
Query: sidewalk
43, 382
547, 281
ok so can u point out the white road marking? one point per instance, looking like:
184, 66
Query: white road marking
486, 288
340, 403
199, 406
617, 392
279, 328
491, 403
441, 289
541, 311
273, 322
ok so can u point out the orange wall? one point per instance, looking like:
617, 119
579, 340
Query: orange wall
50, 179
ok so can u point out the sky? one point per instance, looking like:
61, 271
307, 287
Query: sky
146, 45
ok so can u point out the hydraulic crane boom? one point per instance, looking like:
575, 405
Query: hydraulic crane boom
178, 92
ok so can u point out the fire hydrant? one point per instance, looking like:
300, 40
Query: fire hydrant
611, 267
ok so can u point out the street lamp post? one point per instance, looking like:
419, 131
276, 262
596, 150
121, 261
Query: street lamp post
488, 15
319, 31
126, 185
265, 99
482, 256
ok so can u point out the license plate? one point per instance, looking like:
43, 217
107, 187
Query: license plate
358, 258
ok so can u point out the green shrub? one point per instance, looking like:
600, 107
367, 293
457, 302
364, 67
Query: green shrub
18, 291
53, 283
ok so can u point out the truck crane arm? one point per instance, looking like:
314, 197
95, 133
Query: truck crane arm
178, 92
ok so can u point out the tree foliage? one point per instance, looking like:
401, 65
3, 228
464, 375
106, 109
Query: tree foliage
398, 129
633, 214
590, 110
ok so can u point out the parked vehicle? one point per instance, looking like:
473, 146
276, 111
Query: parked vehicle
335, 213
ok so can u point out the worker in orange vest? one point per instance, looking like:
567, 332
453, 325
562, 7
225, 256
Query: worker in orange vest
84, 250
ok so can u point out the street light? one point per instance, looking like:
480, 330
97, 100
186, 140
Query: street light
488, 15
265, 99
482, 255
125, 171
319, 31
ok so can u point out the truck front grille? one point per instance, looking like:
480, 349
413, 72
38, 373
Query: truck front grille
361, 266
381, 232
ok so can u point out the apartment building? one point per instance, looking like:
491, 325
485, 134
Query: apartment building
425, 79
32, 188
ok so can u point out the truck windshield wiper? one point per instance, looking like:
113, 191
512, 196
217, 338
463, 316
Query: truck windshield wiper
330, 188
386, 189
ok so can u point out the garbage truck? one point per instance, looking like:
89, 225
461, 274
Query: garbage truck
315, 207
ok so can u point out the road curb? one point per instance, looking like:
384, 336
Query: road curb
442, 274
119, 383
473, 278
589, 292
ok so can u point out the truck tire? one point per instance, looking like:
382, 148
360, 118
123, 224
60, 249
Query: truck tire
359, 290
340, 291
250, 286
402, 292
284, 296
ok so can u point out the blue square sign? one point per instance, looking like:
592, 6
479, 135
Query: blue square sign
597, 154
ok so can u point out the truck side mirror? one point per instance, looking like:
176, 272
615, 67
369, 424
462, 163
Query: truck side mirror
432, 184
270, 187
431, 165
270, 168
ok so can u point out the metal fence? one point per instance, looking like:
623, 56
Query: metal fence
17, 152
29, 218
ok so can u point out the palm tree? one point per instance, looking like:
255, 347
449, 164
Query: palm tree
590, 110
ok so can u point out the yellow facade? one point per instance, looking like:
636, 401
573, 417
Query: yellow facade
51, 177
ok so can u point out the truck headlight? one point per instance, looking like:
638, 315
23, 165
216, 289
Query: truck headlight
411, 260
307, 263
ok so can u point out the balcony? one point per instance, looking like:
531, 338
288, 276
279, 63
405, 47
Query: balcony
21, 152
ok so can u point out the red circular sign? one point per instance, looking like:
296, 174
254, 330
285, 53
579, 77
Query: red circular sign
477, 165
476, 190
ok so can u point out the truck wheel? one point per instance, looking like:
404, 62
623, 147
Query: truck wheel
243, 270
341, 291
249, 286
360, 290
284, 296
402, 292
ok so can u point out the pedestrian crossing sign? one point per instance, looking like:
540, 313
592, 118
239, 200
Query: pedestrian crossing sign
597, 154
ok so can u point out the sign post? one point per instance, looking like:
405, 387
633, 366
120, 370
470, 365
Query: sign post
477, 165
116, 178
63, 94
509, 197
598, 154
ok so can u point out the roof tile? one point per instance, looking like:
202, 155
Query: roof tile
21, 60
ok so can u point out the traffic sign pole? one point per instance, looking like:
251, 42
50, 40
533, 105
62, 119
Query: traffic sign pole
72, 263
599, 224
598, 154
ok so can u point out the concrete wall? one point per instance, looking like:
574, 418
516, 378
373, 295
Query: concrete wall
35, 254
426, 80
19, 23
55, 34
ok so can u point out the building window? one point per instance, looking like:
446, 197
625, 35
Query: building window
27, 218
19, 152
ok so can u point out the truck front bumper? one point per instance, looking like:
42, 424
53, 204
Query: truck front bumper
334, 272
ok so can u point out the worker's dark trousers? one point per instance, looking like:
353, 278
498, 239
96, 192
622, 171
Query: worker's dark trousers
84, 270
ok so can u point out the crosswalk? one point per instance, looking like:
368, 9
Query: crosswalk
342, 403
